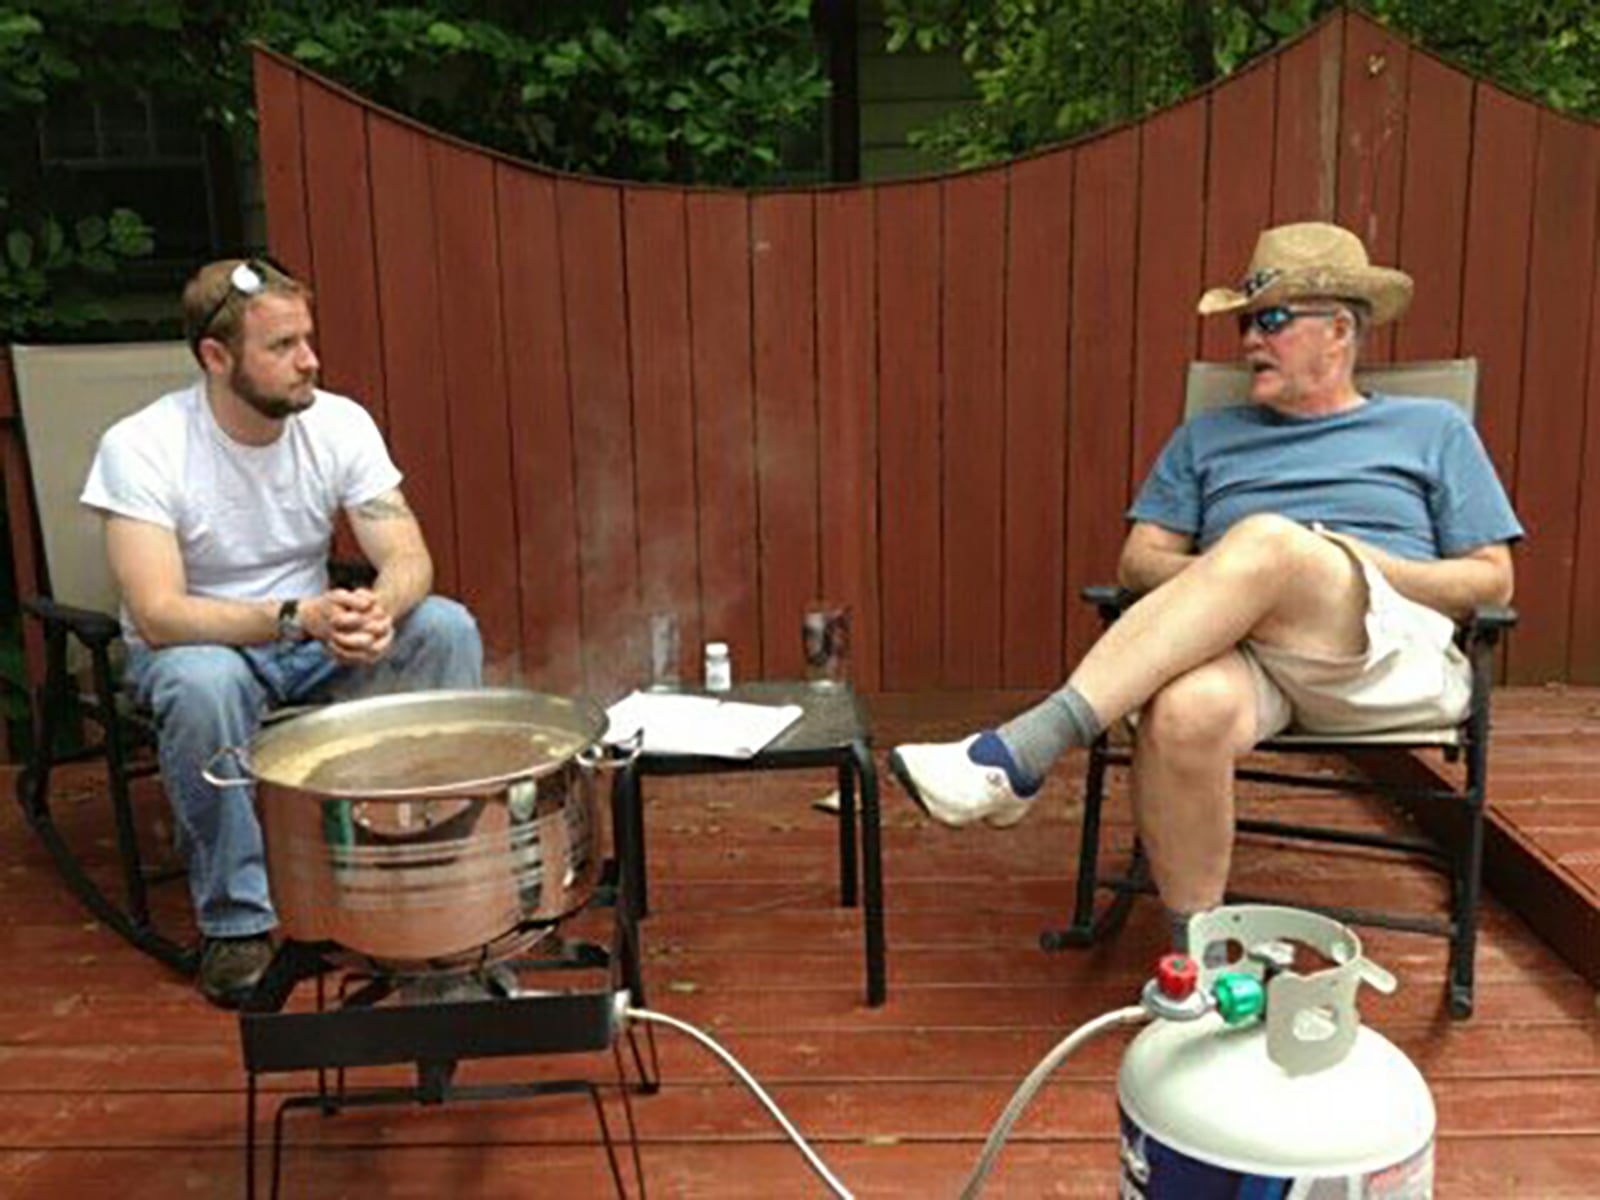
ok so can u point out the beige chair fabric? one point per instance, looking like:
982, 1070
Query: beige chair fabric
69, 396
1222, 385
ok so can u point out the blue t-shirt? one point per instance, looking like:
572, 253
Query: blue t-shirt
1404, 474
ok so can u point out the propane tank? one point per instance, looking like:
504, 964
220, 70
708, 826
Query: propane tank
1261, 1082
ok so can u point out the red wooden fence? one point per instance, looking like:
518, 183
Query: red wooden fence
930, 400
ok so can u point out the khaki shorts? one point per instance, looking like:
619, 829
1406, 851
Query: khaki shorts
1412, 676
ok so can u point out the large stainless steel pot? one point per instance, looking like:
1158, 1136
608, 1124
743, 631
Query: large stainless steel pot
428, 830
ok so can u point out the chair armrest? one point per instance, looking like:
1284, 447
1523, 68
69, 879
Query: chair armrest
1109, 599
88, 625
1486, 624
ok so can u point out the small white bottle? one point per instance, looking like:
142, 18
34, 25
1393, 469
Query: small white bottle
719, 667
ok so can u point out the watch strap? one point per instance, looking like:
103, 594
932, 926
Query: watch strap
289, 627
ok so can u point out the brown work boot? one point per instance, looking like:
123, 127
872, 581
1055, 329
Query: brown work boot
230, 968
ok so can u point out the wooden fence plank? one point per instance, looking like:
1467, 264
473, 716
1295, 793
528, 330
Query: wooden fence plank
1433, 219
783, 312
1171, 244
413, 334
1306, 158
476, 391
1583, 651
1372, 135
1106, 187
590, 219
1238, 189
724, 390
22, 523
1038, 300
973, 467
1555, 345
281, 143
663, 410
848, 415
340, 220
910, 269
1494, 284
532, 297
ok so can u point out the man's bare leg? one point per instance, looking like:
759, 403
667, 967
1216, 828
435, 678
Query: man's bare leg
1190, 735
1268, 578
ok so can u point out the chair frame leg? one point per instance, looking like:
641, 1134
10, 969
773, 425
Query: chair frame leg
1088, 927
131, 920
1467, 880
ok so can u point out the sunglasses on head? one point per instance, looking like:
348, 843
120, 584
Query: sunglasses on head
1279, 317
248, 279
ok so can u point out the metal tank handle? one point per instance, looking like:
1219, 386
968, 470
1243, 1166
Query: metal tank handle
1311, 1020
241, 756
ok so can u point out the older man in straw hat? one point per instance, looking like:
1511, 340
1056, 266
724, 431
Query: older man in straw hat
1302, 557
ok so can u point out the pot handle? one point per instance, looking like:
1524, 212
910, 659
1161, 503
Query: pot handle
209, 774
604, 756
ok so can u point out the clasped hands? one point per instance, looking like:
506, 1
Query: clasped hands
352, 623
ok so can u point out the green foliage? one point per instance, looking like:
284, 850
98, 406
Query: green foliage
187, 51
687, 90
692, 91
1047, 70
54, 262
1546, 49
47, 269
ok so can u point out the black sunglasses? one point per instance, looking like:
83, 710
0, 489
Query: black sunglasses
1279, 317
248, 279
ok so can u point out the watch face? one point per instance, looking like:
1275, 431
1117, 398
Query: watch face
289, 626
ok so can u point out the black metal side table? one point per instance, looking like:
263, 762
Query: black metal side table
831, 732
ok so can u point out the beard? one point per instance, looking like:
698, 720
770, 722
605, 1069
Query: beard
274, 405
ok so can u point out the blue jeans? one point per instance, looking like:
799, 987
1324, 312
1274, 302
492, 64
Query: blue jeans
206, 697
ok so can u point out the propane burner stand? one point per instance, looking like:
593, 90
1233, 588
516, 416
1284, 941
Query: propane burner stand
372, 1023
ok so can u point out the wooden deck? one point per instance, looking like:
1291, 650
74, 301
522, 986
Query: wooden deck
118, 1080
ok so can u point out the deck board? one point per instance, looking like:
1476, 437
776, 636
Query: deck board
113, 1076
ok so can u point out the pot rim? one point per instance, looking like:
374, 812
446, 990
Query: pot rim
586, 711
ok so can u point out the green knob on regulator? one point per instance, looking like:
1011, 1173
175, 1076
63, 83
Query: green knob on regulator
1239, 997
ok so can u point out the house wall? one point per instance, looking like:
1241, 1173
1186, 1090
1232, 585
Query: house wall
899, 93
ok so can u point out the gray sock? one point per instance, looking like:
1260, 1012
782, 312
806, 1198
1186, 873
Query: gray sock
1046, 731
1178, 921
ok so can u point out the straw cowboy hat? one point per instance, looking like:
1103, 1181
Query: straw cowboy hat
1292, 262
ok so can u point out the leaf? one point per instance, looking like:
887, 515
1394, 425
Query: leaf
443, 33
312, 51
130, 236
91, 232
17, 25
19, 248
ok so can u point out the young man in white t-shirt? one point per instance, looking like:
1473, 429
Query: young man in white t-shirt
219, 503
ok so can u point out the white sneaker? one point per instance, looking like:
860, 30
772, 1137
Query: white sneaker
953, 789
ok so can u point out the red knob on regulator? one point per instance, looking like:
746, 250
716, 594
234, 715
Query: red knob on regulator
1177, 975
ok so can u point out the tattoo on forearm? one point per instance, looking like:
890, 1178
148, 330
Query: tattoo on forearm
388, 507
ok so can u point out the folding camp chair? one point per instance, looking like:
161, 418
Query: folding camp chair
68, 396
1457, 812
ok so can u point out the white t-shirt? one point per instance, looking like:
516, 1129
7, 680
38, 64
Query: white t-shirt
253, 522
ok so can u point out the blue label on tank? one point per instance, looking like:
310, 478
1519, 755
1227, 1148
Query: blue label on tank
1152, 1170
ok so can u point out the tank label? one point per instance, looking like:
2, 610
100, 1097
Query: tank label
1152, 1170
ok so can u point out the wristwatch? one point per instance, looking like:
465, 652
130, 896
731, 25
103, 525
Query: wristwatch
290, 628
